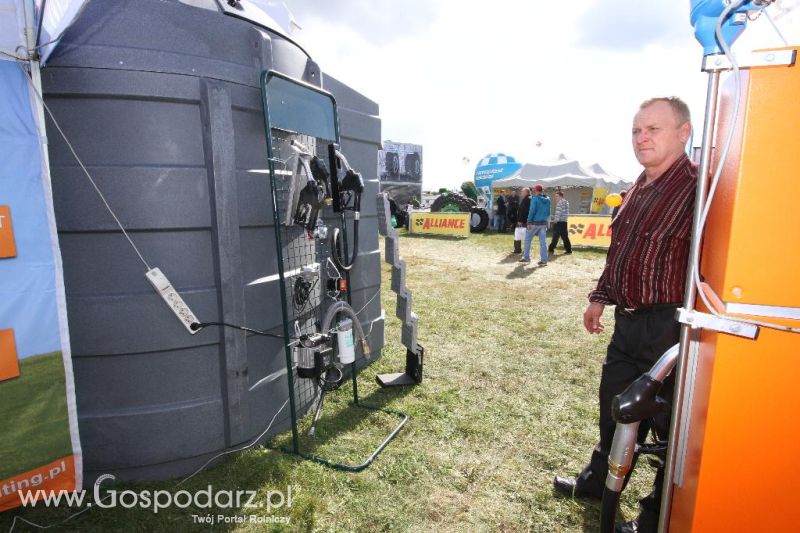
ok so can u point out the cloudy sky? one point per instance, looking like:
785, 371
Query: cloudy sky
465, 79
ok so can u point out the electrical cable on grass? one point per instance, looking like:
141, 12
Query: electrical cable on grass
252, 443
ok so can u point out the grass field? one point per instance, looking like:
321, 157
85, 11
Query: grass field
33, 416
508, 401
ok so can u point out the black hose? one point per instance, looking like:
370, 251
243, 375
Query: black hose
608, 510
335, 246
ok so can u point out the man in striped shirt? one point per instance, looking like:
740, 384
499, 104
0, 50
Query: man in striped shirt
644, 278
560, 225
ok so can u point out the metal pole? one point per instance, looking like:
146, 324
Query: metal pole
281, 271
689, 295
355, 382
36, 77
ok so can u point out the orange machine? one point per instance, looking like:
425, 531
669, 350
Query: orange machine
737, 465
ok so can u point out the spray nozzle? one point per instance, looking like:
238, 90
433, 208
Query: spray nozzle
352, 181
299, 148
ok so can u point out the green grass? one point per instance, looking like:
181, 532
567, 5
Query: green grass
509, 399
33, 416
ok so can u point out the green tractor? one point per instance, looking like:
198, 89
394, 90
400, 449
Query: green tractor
454, 202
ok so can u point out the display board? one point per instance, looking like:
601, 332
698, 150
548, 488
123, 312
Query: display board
400, 171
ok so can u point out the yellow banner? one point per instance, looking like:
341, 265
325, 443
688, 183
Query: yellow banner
599, 199
440, 223
590, 230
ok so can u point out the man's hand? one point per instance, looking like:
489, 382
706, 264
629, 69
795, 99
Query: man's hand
528, 225
591, 318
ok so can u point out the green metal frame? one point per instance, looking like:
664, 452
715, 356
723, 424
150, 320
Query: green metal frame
265, 77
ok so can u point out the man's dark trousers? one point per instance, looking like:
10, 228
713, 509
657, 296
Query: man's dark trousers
640, 338
560, 230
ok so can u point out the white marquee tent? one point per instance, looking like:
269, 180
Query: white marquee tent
563, 173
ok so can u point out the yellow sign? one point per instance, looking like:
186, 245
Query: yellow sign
7, 246
590, 230
599, 199
440, 223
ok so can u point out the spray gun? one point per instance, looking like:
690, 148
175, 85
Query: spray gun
640, 401
304, 202
346, 197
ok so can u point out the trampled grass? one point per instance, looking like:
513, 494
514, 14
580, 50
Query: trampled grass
509, 400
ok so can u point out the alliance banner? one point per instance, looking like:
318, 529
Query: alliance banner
440, 223
589, 230
39, 443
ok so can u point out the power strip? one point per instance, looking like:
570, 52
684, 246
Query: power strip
168, 293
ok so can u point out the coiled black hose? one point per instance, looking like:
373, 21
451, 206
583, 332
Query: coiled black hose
336, 248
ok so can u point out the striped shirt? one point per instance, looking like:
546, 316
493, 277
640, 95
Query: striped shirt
646, 263
562, 210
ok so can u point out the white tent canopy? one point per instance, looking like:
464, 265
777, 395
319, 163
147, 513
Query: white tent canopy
566, 180
562, 172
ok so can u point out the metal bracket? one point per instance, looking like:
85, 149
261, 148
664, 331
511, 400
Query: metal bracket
697, 320
773, 58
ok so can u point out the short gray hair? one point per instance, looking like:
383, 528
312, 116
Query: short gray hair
678, 106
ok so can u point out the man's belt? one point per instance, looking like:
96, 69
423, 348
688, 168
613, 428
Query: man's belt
628, 311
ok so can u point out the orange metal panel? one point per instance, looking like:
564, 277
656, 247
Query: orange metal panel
743, 454
9, 365
7, 246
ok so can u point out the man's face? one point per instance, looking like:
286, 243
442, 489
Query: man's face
658, 139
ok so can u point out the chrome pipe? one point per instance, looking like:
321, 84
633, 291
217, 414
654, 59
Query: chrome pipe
690, 294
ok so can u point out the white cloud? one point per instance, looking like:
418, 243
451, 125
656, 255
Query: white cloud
467, 79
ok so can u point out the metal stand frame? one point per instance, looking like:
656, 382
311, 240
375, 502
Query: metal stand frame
412, 375
295, 449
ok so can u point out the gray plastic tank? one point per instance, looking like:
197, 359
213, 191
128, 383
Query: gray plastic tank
161, 101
